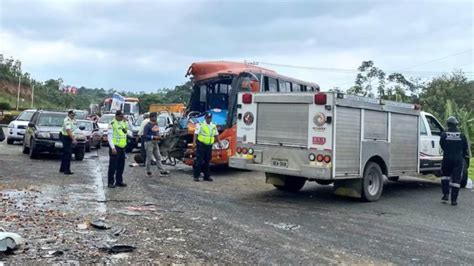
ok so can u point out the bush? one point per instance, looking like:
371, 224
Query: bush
4, 106
6, 119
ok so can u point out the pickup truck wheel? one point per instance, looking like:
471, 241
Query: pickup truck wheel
25, 150
393, 178
33, 153
10, 141
79, 154
324, 182
292, 184
372, 182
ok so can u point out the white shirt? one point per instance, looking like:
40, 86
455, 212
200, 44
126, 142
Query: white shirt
142, 126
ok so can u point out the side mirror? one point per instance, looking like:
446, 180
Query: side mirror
82, 127
31, 124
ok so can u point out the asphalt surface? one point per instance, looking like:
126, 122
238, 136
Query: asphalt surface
235, 219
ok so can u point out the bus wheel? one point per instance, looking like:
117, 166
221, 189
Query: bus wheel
372, 182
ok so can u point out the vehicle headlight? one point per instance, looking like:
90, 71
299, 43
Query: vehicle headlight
11, 125
224, 145
80, 137
43, 135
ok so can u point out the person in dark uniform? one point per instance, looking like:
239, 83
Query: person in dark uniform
455, 151
117, 137
204, 137
67, 138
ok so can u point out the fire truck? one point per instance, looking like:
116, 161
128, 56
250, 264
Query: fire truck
333, 138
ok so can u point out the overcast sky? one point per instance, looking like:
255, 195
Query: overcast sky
148, 45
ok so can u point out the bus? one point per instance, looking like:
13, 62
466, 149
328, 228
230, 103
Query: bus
215, 88
129, 107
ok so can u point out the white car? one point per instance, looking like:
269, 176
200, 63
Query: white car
165, 123
103, 123
17, 127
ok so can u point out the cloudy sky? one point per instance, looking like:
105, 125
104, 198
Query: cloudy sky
148, 45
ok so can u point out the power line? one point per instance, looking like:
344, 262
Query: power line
441, 58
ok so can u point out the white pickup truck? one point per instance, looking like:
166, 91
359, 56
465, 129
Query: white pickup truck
328, 137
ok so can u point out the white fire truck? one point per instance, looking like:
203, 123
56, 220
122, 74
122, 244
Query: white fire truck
351, 141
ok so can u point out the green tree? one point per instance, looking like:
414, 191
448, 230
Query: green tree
4, 106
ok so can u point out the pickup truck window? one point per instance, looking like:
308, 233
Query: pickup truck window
423, 128
435, 127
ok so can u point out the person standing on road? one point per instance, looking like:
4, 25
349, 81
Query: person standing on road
455, 151
67, 138
151, 136
204, 137
117, 137
145, 121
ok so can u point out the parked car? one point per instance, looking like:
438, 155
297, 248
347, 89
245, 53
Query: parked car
103, 123
42, 135
92, 132
17, 127
80, 114
165, 123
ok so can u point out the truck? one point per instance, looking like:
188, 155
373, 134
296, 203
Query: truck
176, 108
350, 141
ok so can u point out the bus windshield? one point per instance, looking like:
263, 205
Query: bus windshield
212, 97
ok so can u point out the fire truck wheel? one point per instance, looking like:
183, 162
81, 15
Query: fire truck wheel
324, 182
372, 183
292, 184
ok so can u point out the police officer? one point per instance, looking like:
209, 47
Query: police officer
204, 137
455, 151
67, 138
117, 137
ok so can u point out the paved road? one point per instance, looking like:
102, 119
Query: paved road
240, 219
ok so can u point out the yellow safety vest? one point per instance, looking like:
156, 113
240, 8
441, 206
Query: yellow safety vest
68, 124
119, 138
207, 133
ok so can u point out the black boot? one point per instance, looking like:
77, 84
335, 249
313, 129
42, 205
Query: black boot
445, 197
454, 195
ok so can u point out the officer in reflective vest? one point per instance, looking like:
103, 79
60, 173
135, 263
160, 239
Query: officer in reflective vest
117, 137
67, 138
204, 137
455, 151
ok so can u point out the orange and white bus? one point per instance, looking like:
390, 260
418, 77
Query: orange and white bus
215, 88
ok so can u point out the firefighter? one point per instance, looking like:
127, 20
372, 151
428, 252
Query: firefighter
117, 137
455, 151
68, 139
204, 137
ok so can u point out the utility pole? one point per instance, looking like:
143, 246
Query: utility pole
18, 96
32, 95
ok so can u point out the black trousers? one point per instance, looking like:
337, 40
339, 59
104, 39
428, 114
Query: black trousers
202, 161
452, 171
116, 166
67, 154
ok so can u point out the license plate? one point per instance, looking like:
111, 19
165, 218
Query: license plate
280, 163
58, 145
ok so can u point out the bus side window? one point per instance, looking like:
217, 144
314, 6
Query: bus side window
265, 84
296, 87
272, 85
303, 87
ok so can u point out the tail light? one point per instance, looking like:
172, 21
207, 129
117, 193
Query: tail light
312, 157
247, 98
319, 158
244, 150
320, 98
251, 151
327, 159
238, 150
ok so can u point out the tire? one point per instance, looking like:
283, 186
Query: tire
292, 184
33, 153
25, 150
324, 182
10, 141
88, 148
393, 178
79, 154
372, 182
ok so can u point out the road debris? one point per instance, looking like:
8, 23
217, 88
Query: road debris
118, 248
10, 241
100, 224
284, 226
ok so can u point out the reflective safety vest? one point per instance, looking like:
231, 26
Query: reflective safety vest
68, 124
119, 137
207, 133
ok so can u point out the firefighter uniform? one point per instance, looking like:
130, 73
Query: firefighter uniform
455, 150
117, 137
68, 124
206, 135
